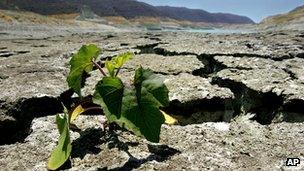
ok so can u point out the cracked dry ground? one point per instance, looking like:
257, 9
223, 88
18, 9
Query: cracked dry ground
239, 100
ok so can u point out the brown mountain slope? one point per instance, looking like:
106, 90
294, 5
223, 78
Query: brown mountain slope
294, 18
128, 9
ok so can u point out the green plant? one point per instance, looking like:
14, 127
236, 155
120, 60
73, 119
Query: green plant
134, 107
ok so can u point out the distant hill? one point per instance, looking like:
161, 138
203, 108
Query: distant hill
128, 9
298, 8
292, 19
197, 15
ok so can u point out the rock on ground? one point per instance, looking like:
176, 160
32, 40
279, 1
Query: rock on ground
168, 65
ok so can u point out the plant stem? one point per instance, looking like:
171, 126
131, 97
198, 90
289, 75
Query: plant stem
92, 108
100, 69
117, 72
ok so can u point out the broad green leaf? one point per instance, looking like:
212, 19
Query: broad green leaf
122, 58
60, 123
76, 112
111, 90
154, 85
80, 63
137, 108
110, 67
141, 116
62, 151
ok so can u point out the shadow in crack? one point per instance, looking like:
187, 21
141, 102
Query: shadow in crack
159, 153
87, 143
90, 140
201, 111
20, 114
163, 152
293, 111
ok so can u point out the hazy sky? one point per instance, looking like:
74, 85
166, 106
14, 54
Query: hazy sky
255, 9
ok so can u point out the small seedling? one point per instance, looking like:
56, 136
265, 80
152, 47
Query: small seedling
133, 107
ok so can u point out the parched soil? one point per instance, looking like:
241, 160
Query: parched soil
238, 98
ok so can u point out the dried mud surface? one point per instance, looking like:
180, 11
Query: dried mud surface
238, 97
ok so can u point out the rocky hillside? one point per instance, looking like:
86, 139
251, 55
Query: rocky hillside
125, 8
293, 19
197, 15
